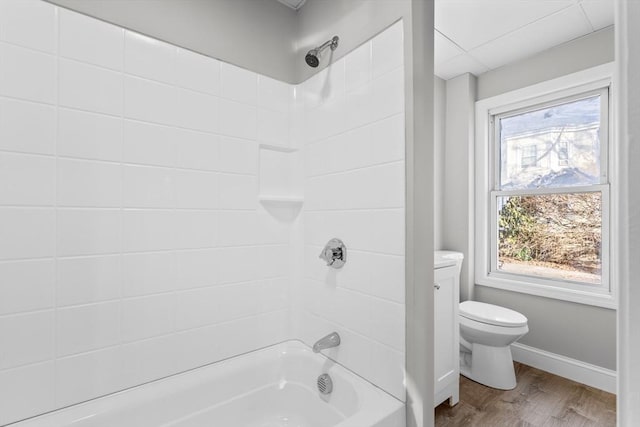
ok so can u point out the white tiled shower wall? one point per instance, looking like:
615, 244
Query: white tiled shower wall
132, 245
352, 130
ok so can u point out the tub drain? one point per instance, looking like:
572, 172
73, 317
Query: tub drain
325, 384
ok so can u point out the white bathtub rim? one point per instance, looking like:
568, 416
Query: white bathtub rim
386, 403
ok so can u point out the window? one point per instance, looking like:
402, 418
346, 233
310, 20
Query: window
543, 223
529, 156
563, 153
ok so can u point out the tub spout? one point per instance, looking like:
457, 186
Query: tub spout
331, 340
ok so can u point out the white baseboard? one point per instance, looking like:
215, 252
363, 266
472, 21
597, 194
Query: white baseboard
585, 373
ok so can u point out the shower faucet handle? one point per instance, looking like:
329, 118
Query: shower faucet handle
334, 253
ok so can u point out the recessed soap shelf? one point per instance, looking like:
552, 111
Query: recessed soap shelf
282, 148
281, 201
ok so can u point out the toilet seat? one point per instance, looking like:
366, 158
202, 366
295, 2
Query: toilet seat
492, 314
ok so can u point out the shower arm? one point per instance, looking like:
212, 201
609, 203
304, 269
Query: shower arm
333, 43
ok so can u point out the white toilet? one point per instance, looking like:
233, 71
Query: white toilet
486, 332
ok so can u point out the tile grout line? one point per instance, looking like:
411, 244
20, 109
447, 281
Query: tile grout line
173, 252
121, 211
55, 210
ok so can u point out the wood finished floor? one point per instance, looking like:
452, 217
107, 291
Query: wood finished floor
540, 399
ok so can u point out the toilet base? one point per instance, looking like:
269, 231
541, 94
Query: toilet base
490, 366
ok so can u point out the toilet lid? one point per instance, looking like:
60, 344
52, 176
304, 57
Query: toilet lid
491, 314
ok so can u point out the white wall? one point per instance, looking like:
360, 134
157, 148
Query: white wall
354, 190
579, 54
439, 122
457, 200
628, 53
132, 245
258, 35
578, 331
354, 21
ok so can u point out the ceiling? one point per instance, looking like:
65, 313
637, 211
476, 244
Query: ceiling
293, 4
476, 36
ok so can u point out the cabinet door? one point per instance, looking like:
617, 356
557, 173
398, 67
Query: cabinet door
446, 328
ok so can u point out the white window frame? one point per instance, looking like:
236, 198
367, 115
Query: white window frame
563, 89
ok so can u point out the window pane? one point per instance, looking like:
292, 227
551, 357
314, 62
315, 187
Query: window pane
555, 236
551, 147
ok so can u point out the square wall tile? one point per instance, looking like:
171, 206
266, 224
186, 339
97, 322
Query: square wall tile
29, 23
392, 377
146, 317
197, 111
149, 58
388, 95
274, 295
26, 391
277, 172
27, 127
149, 360
88, 327
275, 95
238, 228
90, 88
197, 72
26, 233
238, 191
379, 275
88, 231
89, 375
149, 144
358, 67
26, 74
238, 156
196, 189
386, 319
272, 231
388, 50
273, 127
148, 187
206, 306
149, 273
89, 136
27, 286
197, 150
148, 230
237, 120
272, 263
26, 339
90, 40
238, 84
84, 280
149, 101
196, 229
84, 183
196, 308
233, 264
26, 179
197, 268
378, 187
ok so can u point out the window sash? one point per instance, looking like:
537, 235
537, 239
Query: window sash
544, 102
493, 272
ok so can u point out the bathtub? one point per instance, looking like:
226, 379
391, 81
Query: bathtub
272, 387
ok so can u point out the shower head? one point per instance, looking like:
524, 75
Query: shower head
312, 56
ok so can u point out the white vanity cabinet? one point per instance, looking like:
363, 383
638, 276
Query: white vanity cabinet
447, 335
